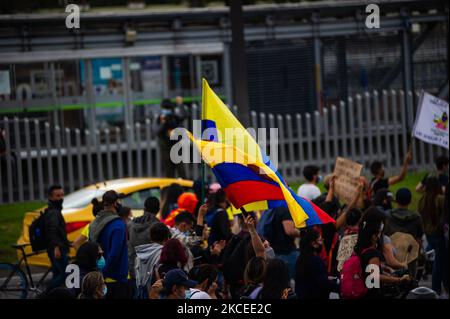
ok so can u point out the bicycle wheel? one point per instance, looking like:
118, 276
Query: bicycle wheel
13, 283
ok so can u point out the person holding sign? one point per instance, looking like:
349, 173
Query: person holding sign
379, 181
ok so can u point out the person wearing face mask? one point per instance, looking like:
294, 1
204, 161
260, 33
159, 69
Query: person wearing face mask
368, 250
110, 232
182, 230
173, 286
206, 275
58, 244
311, 276
89, 258
93, 286
309, 189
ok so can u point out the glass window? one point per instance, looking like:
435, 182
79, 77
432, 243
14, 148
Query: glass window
136, 199
82, 198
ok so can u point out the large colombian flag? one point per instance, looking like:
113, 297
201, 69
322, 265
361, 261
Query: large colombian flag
243, 170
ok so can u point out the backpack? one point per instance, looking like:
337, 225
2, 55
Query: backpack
37, 233
353, 285
265, 225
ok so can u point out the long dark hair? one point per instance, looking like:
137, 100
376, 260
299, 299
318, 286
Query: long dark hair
255, 271
87, 256
369, 226
169, 197
277, 279
307, 250
428, 201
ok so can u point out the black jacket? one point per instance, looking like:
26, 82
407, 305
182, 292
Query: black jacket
55, 228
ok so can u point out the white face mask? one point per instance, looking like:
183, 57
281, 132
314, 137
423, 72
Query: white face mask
270, 253
381, 227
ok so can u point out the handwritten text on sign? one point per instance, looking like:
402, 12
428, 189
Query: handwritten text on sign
347, 175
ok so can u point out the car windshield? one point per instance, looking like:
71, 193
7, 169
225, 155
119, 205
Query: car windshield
81, 198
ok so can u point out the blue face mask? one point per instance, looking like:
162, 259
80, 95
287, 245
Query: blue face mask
105, 290
320, 179
187, 294
101, 263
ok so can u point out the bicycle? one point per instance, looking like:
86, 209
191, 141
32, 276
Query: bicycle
18, 284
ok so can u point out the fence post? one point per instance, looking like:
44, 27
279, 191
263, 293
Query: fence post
395, 130
309, 138
318, 133
368, 109
343, 118
351, 124
49, 153
387, 142
109, 166
98, 156
79, 159
254, 120
335, 131
328, 162
129, 151
119, 153
290, 139
18, 148
376, 108
411, 115
9, 168
271, 119
59, 156
360, 128
148, 142
282, 146
403, 121
40, 179
300, 143
70, 166
138, 149
89, 140
29, 160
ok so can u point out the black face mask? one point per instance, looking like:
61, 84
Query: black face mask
118, 207
56, 203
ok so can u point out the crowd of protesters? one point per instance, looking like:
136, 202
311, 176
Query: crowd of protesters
183, 249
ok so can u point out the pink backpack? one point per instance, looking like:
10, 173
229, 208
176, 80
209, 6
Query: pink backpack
353, 285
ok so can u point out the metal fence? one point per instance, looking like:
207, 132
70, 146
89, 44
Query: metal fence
368, 127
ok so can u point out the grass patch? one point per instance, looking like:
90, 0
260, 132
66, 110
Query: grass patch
11, 216
410, 182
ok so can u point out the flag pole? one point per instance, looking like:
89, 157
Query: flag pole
202, 162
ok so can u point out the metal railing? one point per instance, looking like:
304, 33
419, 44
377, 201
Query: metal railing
368, 127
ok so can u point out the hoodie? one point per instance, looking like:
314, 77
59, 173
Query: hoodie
186, 241
147, 257
109, 231
139, 234
404, 221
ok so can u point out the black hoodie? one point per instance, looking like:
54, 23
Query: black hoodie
404, 221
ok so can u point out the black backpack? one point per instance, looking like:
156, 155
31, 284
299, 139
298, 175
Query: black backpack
37, 233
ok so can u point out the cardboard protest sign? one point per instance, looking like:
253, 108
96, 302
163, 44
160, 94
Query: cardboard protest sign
347, 174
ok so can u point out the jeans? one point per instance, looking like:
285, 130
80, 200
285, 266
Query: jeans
291, 260
58, 268
440, 273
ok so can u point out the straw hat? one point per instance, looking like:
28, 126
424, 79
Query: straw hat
406, 246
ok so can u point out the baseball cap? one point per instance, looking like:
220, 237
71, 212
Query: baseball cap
178, 277
403, 196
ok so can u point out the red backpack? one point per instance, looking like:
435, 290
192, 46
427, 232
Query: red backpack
353, 285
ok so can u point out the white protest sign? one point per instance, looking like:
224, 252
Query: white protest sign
431, 125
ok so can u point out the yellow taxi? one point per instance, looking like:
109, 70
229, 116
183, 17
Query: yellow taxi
77, 207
